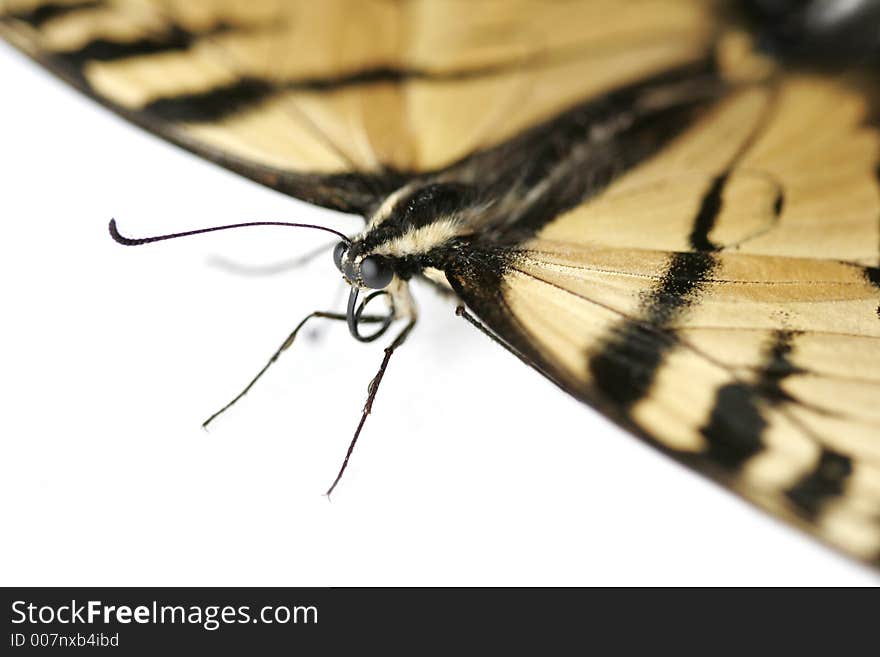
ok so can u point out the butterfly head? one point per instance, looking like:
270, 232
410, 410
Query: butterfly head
371, 271
397, 244
405, 230
365, 271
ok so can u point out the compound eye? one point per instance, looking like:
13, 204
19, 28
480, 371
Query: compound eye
339, 251
376, 272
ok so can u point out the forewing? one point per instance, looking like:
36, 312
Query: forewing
340, 102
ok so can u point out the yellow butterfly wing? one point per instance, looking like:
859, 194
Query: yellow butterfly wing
722, 300
340, 101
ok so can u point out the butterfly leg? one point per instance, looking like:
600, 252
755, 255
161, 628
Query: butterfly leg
372, 389
371, 319
473, 321
482, 328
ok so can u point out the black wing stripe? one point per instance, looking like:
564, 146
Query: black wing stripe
713, 201
777, 367
175, 39
825, 482
734, 427
211, 106
625, 369
42, 14
736, 424
172, 39
222, 102
710, 208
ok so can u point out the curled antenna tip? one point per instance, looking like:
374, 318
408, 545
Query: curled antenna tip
114, 232
120, 238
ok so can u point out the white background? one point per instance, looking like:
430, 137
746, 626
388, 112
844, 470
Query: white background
472, 470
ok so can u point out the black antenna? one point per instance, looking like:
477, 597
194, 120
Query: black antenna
128, 241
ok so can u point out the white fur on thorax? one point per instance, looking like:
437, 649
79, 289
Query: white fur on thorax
422, 239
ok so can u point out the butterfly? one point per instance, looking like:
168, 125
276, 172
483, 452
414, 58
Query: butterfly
669, 208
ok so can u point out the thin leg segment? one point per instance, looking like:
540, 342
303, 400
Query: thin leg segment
372, 389
372, 319
473, 321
